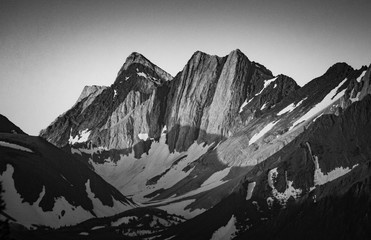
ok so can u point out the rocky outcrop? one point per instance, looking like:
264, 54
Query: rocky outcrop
90, 92
324, 174
205, 102
206, 98
359, 86
141, 60
115, 117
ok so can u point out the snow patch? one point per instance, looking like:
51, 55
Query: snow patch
283, 197
290, 107
97, 227
329, 99
264, 105
142, 74
320, 178
244, 104
164, 131
361, 76
266, 84
250, 189
81, 137
102, 210
62, 214
15, 146
130, 175
355, 99
114, 93
179, 208
123, 220
226, 232
216, 179
272, 174
262, 132
143, 136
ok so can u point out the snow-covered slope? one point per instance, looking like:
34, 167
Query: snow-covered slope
45, 186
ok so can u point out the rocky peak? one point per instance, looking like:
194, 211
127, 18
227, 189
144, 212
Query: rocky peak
205, 98
88, 90
138, 58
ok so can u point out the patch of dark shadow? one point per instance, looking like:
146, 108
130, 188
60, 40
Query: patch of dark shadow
58, 173
155, 193
155, 179
6, 126
348, 196
180, 138
178, 160
146, 222
202, 169
237, 172
100, 156
204, 225
140, 148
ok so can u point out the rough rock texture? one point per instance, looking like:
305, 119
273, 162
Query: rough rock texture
114, 116
90, 92
140, 59
203, 103
208, 94
359, 86
288, 204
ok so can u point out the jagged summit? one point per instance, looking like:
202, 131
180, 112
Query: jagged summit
225, 140
88, 90
200, 53
140, 59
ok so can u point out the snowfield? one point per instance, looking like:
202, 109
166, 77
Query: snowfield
250, 190
130, 175
290, 191
262, 132
29, 214
328, 100
290, 107
226, 232
15, 146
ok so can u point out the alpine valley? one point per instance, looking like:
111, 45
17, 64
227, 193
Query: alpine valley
223, 150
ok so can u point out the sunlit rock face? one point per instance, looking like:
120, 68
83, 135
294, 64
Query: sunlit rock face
114, 116
225, 142
208, 96
206, 102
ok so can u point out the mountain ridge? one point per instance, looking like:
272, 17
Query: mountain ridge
225, 145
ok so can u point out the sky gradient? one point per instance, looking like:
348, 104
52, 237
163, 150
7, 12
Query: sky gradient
49, 50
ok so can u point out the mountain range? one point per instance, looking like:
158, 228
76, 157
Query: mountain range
223, 150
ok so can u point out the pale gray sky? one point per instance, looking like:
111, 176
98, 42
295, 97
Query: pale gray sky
49, 49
